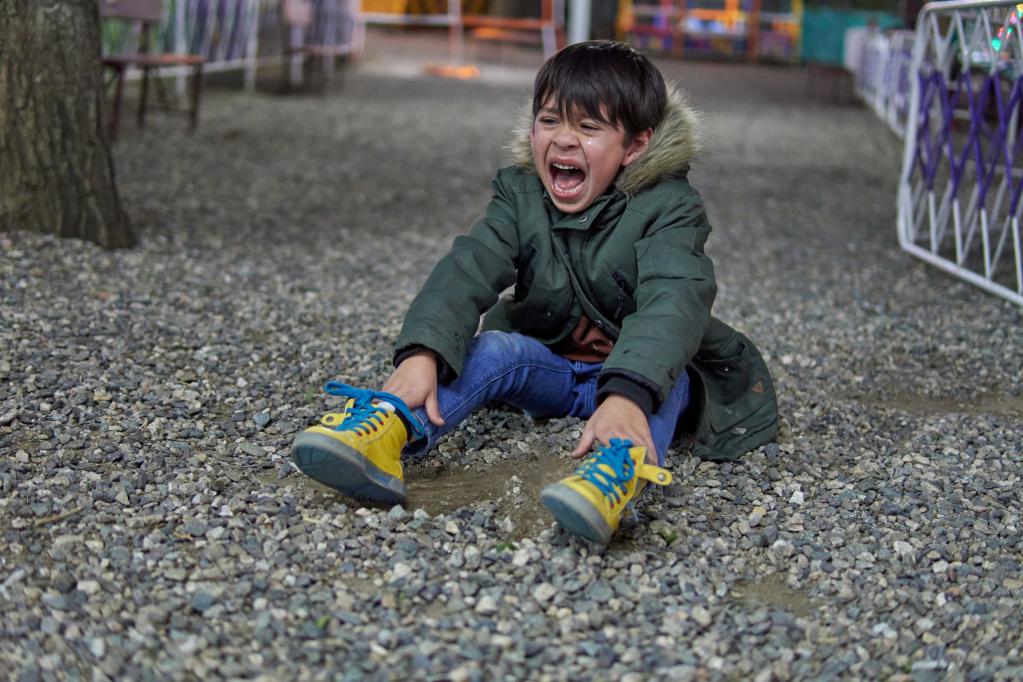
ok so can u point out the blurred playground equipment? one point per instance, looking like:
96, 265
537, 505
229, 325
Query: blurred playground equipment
246, 34
519, 21
746, 29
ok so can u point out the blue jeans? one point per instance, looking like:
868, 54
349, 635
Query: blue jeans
524, 373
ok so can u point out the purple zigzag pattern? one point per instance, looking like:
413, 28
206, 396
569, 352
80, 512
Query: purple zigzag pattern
935, 145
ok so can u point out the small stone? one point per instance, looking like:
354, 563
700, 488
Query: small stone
884, 630
599, 591
400, 571
176, 574
201, 601
397, 513
196, 528
89, 587
98, 647
473, 557
189, 645
544, 592
903, 548
702, 616
451, 528
486, 605
797, 497
63, 582
251, 449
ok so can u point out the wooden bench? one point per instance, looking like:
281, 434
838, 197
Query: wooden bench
141, 16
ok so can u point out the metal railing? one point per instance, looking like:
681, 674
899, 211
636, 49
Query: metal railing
959, 198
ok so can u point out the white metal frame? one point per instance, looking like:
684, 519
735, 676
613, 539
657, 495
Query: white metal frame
979, 241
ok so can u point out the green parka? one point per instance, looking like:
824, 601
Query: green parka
633, 262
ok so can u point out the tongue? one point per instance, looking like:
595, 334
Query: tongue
567, 180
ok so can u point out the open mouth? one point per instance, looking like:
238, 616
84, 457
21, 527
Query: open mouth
566, 180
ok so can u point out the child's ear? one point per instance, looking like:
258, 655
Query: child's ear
637, 146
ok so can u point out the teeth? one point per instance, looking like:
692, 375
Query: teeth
563, 166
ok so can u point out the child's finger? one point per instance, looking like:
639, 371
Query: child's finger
584, 444
433, 409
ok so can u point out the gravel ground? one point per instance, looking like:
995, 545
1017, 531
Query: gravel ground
153, 528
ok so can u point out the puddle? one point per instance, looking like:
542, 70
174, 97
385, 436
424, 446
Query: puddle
1001, 405
773, 592
448, 490
453, 489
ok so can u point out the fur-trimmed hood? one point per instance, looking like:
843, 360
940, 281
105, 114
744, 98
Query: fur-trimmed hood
676, 143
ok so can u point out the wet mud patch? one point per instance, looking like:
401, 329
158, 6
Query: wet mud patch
773, 593
922, 405
513, 485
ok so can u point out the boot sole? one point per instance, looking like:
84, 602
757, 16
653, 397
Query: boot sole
575, 513
345, 469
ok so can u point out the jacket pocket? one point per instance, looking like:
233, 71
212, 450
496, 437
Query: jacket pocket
526, 270
728, 383
625, 302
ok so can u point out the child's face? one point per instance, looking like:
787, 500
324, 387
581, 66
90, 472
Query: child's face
578, 157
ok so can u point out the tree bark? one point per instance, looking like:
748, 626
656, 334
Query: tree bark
56, 171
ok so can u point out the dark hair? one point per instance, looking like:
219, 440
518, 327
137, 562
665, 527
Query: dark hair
589, 75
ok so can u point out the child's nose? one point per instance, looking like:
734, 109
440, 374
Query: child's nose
565, 136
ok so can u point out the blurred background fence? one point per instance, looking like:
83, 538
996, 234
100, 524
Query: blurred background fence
961, 184
237, 34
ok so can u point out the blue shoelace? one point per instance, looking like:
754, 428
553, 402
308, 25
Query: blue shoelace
363, 415
616, 457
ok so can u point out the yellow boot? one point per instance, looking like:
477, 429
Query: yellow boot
358, 451
590, 502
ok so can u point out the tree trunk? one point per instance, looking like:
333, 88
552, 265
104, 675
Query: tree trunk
56, 172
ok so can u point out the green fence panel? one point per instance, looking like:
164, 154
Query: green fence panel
824, 31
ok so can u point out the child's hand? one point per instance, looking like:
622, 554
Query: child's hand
617, 417
415, 382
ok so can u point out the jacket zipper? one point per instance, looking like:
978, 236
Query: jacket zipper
623, 290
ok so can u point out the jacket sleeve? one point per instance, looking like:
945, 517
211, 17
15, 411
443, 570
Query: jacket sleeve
445, 314
675, 292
